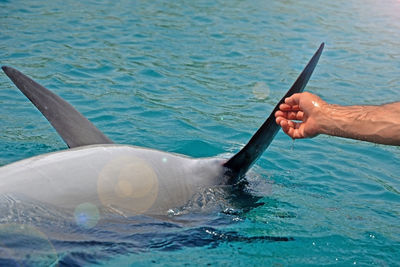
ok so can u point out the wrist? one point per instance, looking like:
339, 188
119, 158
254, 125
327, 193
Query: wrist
325, 119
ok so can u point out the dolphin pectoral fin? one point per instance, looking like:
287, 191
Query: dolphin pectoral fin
71, 125
239, 164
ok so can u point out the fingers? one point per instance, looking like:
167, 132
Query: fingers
280, 114
290, 115
291, 103
296, 115
286, 107
293, 100
291, 128
279, 119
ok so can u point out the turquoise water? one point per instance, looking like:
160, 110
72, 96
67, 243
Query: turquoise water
198, 78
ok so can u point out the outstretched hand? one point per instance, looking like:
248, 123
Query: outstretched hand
306, 115
300, 115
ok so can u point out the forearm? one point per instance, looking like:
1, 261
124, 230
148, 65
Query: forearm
378, 124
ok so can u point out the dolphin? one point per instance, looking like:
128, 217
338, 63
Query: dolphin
126, 179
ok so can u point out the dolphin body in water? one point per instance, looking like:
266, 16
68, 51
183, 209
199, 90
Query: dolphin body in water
128, 179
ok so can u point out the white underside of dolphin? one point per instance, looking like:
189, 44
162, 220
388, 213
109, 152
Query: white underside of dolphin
128, 179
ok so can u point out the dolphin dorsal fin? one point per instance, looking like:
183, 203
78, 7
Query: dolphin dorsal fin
239, 164
70, 124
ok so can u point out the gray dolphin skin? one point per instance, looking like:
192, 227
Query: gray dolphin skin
126, 179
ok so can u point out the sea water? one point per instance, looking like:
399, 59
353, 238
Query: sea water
199, 78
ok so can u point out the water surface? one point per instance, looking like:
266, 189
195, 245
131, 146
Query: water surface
198, 78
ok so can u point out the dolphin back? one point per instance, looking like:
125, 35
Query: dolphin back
70, 124
239, 164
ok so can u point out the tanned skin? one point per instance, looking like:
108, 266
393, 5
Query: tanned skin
305, 115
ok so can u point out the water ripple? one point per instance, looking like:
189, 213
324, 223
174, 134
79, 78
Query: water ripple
180, 76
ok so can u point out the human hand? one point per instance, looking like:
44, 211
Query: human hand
301, 115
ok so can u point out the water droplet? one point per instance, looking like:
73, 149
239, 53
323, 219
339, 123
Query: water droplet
292, 146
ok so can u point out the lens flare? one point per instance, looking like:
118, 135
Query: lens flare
128, 184
25, 245
86, 215
261, 90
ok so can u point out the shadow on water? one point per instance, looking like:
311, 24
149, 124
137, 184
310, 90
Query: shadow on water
58, 237
97, 245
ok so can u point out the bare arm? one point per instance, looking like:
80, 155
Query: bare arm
306, 115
